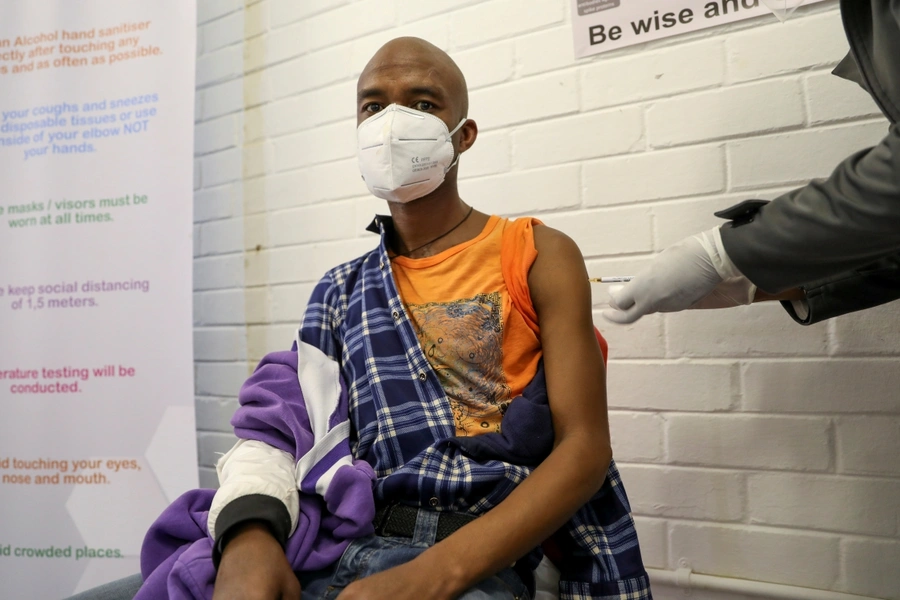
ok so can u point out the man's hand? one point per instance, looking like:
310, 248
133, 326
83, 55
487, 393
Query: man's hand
409, 581
254, 567
694, 273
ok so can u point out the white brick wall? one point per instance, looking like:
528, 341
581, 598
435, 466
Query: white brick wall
750, 447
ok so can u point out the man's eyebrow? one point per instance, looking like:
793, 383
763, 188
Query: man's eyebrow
415, 91
368, 93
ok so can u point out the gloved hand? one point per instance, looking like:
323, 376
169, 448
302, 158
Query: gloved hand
694, 273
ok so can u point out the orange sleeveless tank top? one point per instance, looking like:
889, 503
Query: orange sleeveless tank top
472, 313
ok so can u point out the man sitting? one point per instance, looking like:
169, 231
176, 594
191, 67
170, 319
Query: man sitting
436, 331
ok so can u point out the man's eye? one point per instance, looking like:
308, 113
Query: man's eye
423, 105
372, 107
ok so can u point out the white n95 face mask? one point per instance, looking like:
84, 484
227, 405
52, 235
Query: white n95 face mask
404, 154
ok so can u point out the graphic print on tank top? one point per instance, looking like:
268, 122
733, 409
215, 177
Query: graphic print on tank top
463, 342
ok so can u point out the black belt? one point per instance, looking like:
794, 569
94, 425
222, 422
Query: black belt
400, 520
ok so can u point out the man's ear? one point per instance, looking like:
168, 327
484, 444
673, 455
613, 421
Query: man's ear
467, 135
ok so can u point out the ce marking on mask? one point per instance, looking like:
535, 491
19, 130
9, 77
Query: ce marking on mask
416, 160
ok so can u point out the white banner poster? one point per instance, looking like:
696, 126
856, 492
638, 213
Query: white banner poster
604, 25
96, 374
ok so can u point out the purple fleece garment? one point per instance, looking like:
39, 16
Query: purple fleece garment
176, 558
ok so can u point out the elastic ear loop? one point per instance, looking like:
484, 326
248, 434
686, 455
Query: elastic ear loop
450, 135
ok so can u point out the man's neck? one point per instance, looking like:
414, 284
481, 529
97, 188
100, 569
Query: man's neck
430, 218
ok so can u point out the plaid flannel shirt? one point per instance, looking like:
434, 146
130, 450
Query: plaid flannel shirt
403, 425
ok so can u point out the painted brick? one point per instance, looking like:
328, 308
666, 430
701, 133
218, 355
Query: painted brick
828, 503
195, 239
321, 144
219, 66
207, 10
211, 446
491, 20
870, 332
657, 74
728, 112
330, 181
198, 107
533, 99
644, 339
526, 191
221, 307
221, 237
222, 99
214, 414
870, 567
216, 203
220, 344
435, 31
544, 51
832, 386
257, 88
799, 44
310, 224
198, 175
289, 302
586, 136
759, 554
672, 386
758, 330
653, 535
676, 220
309, 263
487, 65
333, 181
799, 156
262, 340
296, 113
684, 493
655, 175
415, 10
196, 319
869, 445
290, 11
772, 443
220, 379
221, 167
208, 478
223, 32
257, 159
348, 23
311, 71
257, 19
605, 231
218, 272
491, 154
636, 437
830, 98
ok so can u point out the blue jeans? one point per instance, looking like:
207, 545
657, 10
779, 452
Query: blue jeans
363, 557
374, 554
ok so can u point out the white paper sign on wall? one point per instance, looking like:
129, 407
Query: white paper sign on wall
604, 25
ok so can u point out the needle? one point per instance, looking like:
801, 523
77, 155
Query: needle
611, 279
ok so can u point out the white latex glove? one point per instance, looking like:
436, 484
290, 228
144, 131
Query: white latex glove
694, 273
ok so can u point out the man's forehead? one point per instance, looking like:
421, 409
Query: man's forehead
411, 58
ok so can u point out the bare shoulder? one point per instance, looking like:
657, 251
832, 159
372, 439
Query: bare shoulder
559, 265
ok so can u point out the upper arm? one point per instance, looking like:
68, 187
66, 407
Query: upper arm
576, 376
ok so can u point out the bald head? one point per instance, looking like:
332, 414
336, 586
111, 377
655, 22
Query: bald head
409, 70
